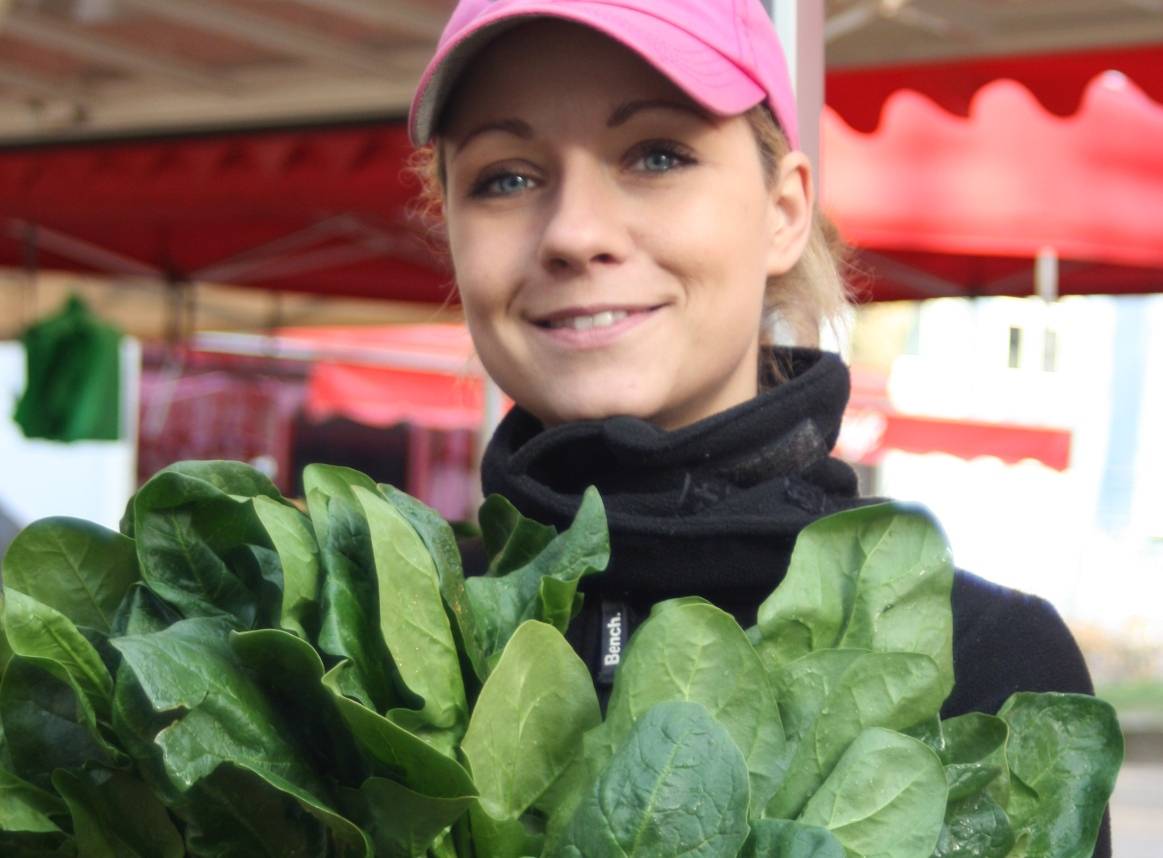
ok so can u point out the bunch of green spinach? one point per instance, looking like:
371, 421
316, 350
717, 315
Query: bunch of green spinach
232, 676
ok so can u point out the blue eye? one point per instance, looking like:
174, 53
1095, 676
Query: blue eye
502, 185
659, 161
660, 156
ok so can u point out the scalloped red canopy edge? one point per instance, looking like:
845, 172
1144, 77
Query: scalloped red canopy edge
1057, 80
971, 200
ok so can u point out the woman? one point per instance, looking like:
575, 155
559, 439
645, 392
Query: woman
628, 219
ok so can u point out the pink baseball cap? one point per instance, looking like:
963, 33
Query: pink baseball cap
724, 54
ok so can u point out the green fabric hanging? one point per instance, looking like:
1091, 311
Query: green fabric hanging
73, 391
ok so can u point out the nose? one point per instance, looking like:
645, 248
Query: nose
584, 225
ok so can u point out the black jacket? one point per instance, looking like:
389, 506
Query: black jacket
713, 510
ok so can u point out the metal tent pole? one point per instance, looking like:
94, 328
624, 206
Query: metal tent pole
800, 25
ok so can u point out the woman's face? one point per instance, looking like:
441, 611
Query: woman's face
611, 240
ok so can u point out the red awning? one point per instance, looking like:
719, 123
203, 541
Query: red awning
868, 434
940, 204
316, 210
1056, 80
426, 375
950, 205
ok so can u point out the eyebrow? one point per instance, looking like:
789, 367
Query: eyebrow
622, 114
517, 127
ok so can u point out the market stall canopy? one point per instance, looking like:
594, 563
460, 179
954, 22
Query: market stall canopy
941, 205
424, 375
80, 68
1058, 80
309, 210
950, 205
87, 184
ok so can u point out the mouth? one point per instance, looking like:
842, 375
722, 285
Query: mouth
593, 327
589, 318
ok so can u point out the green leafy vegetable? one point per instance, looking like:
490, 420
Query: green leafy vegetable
529, 720
877, 577
885, 797
676, 786
785, 838
1064, 753
691, 650
75, 567
231, 677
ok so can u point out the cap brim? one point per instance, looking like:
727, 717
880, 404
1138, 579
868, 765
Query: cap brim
706, 76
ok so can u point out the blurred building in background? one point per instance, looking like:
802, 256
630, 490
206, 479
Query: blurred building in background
1085, 531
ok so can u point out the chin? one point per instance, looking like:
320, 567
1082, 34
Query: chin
564, 408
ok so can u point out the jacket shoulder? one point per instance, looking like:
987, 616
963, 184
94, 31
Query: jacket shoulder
1006, 641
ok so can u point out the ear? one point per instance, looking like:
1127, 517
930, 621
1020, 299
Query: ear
792, 204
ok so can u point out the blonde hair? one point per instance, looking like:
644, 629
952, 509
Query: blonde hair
799, 302
814, 292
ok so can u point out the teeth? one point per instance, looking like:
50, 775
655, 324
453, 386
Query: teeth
584, 323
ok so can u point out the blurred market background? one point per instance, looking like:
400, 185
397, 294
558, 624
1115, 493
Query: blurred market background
210, 198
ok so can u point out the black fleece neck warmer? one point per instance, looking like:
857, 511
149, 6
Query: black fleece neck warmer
711, 509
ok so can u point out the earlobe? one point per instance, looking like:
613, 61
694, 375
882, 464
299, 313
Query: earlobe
792, 206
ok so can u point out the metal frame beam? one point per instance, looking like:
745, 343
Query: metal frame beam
801, 32
398, 15
265, 32
80, 42
33, 84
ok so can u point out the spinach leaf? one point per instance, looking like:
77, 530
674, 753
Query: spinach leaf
1064, 752
511, 540
5, 647
876, 577
290, 674
691, 650
237, 479
289, 531
27, 808
402, 822
398, 752
227, 719
441, 542
47, 725
829, 697
974, 756
76, 567
36, 845
528, 721
501, 838
677, 786
141, 612
975, 827
137, 724
190, 535
117, 816
503, 603
349, 607
885, 798
37, 632
411, 615
784, 838
191, 668
233, 813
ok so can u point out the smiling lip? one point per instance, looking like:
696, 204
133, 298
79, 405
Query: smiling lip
592, 326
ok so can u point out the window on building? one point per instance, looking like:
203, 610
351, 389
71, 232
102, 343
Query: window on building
1050, 351
1015, 358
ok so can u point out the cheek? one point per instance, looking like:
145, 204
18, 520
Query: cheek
490, 253
718, 245
479, 268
